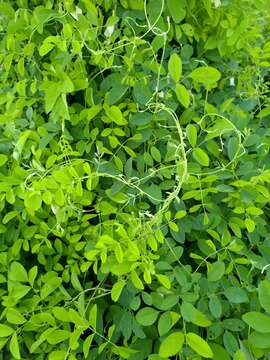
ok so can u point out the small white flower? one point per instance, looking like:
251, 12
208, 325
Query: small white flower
109, 31
216, 3
232, 83
161, 94
54, 209
78, 11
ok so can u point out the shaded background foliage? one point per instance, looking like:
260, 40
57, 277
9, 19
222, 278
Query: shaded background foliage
134, 185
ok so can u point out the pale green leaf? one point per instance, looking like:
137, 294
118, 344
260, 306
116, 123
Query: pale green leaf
177, 10
175, 67
33, 201
257, 321
17, 272
15, 317
200, 156
136, 280
180, 214
115, 114
164, 280
93, 317
190, 313
182, 95
57, 336
239, 355
199, 345
5, 330
217, 271
259, 340
172, 344
206, 75
3, 159
117, 290
191, 132
236, 295
46, 48
86, 344
264, 294
250, 225
147, 316
14, 346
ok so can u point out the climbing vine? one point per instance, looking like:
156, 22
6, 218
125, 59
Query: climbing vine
134, 184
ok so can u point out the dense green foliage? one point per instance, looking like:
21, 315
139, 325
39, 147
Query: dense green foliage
135, 179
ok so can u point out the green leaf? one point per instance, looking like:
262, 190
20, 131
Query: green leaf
217, 271
259, 340
75, 281
175, 67
180, 214
233, 324
35, 345
9, 216
93, 317
257, 321
164, 323
117, 289
264, 112
250, 225
141, 119
154, 192
15, 317
190, 313
199, 345
57, 336
164, 280
49, 287
182, 95
215, 306
220, 127
233, 147
155, 153
200, 156
253, 210
32, 274
156, 357
136, 280
167, 321
115, 114
14, 347
3, 159
191, 132
239, 355
147, 316
206, 75
264, 294
45, 48
57, 355
86, 344
52, 92
60, 313
230, 342
219, 352
17, 272
174, 227
172, 344
118, 252
236, 295
5, 330
124, 352
33, 201
177, 10
142, 92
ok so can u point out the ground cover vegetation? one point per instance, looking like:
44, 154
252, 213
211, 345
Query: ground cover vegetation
135, 179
